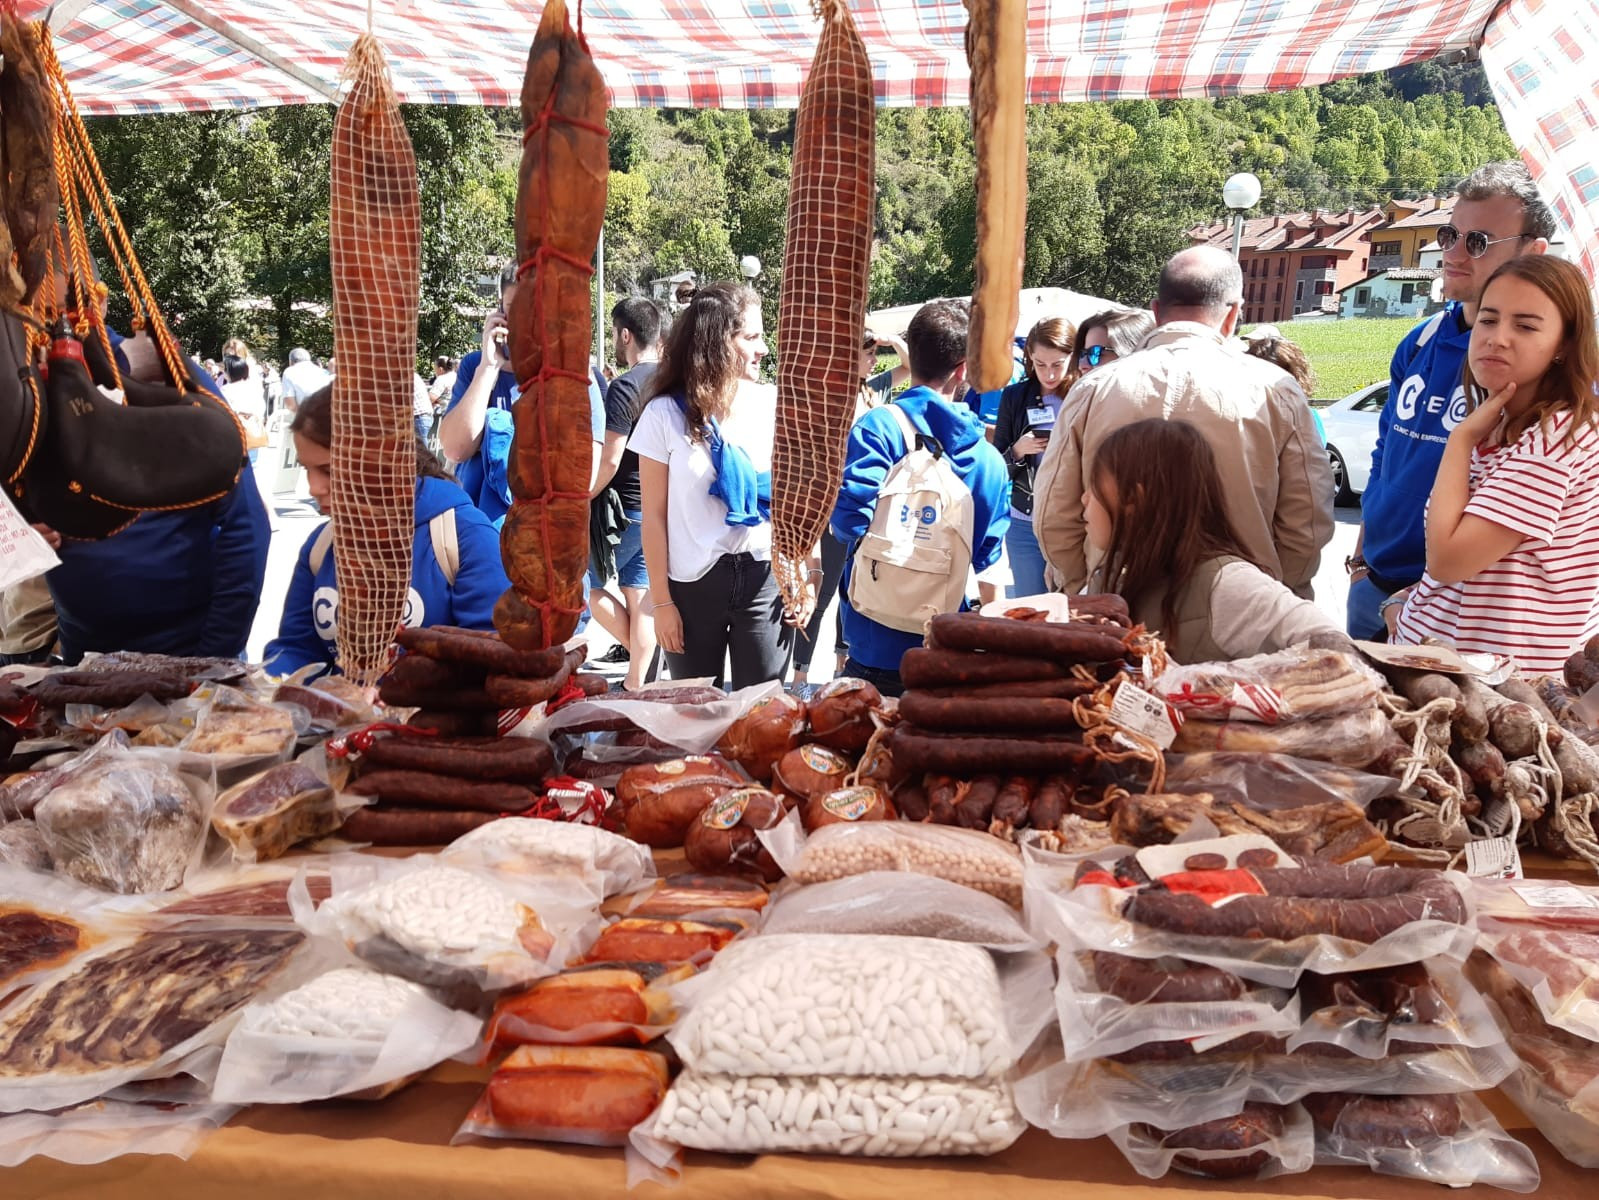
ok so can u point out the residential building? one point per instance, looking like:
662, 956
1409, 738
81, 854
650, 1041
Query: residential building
1409, 226
1295, 263
1397, 292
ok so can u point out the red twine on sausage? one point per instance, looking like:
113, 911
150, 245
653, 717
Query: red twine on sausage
360, 741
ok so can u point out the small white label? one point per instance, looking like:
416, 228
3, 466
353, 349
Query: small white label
1495, 858
1555, 895
1138, 711
23, 551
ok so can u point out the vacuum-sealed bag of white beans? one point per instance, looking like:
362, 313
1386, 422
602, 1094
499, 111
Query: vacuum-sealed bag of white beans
968, 857
855, 1005
467, 932
350, 1032
896, 1117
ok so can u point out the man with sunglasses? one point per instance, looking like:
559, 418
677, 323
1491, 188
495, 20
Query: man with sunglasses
1498, 216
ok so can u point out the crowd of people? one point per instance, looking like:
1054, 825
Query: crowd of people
1156, 454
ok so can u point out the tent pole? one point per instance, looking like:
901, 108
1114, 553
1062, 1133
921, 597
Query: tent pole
236, 37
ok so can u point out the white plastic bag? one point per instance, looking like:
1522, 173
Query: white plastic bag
1154, 1152
964, 856
886, 1118
140, 1008
819, 1004
349, 1031
1281, 688
603, 862
99, 1130
899, 904
1458, 1151
1096, 1023
127, 820
467, 932
1206, 1087
1095, 913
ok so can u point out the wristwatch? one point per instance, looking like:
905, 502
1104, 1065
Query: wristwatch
1353, 563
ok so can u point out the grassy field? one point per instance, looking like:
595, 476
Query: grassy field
1347, 354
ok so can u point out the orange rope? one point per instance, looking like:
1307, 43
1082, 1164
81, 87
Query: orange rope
78, 167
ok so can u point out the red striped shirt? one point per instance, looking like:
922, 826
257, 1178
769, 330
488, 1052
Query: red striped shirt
1541, 601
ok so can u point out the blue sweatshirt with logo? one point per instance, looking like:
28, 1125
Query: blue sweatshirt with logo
309, 627
875, 445
1426, 400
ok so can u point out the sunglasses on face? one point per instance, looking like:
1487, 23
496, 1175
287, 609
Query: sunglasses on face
1477, 241
1094, 355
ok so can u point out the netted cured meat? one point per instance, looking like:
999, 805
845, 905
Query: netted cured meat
560, 205
375, 231
996, 47
822, 309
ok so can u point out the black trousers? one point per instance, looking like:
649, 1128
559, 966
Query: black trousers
732, 611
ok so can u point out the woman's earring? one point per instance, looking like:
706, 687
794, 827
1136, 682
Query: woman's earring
1560, 358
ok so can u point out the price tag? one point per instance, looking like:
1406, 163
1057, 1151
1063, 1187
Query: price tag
23, 552
1495, 858
1554, 895
1149, 716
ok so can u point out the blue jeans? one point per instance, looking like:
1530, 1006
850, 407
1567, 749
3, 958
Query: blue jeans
887, 682
1362, 620
1026, 559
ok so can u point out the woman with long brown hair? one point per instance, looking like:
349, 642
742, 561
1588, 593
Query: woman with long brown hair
1513, 522
704, 444
1155, 510
1026, 418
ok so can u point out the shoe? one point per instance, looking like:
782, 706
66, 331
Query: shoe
616, 654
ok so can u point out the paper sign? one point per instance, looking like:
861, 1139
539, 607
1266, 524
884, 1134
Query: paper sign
1554, 895
1491, 668
23, 552
1137, 711
1495, 858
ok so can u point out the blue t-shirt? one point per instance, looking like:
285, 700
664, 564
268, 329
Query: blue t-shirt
308, 630
1426, 400
485, 476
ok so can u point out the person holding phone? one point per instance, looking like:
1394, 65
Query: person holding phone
477, 444
1027, 412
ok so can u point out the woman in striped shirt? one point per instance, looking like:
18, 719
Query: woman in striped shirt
1513, 522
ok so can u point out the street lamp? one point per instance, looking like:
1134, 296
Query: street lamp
1240, 193
749, 266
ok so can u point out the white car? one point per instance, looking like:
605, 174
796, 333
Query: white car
1351, 433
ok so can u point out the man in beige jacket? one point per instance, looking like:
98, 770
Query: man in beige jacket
1273, 465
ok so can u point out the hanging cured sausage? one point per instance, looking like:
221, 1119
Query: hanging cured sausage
375, 231
560, 206
826, 262
996, 47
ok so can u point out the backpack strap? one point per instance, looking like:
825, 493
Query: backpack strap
913, 436
320, 548
446, 545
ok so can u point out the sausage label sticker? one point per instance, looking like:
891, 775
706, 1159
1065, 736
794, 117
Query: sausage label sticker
727, 811
1137, 711
822, 760
851, 804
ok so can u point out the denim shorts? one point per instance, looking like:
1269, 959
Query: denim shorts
630, 572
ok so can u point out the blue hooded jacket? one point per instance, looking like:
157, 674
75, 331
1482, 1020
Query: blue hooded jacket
875, 445
486, 475
181, 583
310, 611
1426, 400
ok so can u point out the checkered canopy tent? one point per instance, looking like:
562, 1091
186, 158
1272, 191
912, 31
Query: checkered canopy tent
1542, 56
